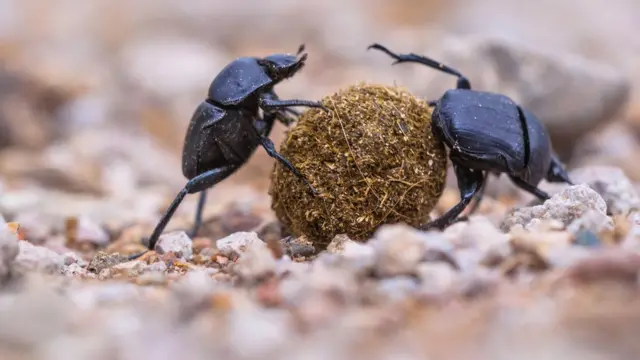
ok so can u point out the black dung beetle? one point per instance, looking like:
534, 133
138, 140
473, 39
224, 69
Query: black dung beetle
226, 128
487, 133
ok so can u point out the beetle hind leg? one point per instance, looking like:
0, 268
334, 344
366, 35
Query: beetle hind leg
463, 82
271, 150
530, 188
270, 104
197, 184
197, 222
469, 182
557, 172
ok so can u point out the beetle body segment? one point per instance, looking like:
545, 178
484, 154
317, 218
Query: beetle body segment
238, 81
539, 149
217, 138
483, 130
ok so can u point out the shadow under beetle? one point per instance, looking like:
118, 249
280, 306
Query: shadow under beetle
226, 128
487, 133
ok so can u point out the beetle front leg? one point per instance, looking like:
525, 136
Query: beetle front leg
271, 150
272, 95
469, 182
268, 104
478, 199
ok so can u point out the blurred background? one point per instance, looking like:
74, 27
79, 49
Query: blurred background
95, 97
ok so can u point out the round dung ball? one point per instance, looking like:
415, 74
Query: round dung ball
373, 159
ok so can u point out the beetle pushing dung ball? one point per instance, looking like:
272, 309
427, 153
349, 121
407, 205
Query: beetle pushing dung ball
226, 128
373, 158
487, 133
378, 157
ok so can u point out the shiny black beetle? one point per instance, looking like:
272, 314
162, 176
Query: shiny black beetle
487, 133
226, 128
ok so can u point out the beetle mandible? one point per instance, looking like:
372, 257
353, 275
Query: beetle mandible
226, 128
486, 132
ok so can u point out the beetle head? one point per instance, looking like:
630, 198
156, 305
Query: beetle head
282, 66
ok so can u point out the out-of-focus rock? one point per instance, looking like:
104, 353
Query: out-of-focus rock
237, 243
177, 242
477, 241
631, 239
29, 105
592, 221
103, 261
343, 245
119, 167
9, 250
256, 262
611, 265
37, 226
129, 268
51, 309
614, 145
542, 250
84, 230
38, 258
612, 184
565, 206
571, 95
74, 270
436, 278
395, 289
298, 247
398, 250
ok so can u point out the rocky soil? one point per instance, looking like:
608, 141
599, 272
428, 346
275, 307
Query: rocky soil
94, 101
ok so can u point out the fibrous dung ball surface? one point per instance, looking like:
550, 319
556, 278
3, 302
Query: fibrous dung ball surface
373, 159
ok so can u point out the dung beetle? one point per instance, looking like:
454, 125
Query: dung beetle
226, 128
486, 133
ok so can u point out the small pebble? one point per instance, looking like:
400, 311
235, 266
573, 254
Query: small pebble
343, 245
566, 206
256, 262
38, 258
398, 250
177, 242
236, 243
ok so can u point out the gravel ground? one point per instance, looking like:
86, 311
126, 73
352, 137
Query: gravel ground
94, 101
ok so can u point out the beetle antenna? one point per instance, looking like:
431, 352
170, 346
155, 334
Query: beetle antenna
463, 82
300, 49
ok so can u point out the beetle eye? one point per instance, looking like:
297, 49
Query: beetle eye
270, 67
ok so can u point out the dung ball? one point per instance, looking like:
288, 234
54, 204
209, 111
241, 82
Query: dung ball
373, 159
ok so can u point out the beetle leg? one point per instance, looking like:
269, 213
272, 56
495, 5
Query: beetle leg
479, 196
197, 184
469, 182
463, 82
198, 220
556, 172
271, 150
530, 188
272, 95
268, 104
